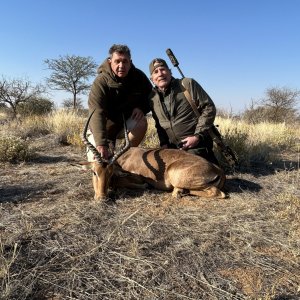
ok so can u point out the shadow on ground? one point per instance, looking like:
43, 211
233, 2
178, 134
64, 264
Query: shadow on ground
238, 185
47, 159
16, 193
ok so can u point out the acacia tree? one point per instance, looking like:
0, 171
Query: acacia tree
71, 74
281, 103
15, 92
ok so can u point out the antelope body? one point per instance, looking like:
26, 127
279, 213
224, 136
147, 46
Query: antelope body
177, 170
164, 169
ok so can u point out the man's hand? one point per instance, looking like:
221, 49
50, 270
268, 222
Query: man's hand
190, 142
137, 114
103, 150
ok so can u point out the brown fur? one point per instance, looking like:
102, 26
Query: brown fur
164, 169
170, 169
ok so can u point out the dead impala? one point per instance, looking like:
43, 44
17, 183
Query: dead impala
164, 169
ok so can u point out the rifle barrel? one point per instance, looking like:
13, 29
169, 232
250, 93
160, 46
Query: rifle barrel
180, 72
174, 60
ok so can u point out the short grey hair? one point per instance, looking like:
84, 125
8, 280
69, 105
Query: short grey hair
122, 49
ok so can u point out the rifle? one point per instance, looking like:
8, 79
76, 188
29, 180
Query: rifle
216, 136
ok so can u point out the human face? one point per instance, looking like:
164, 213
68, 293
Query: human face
120, 64
161, 77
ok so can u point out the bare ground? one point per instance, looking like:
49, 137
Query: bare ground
57, 243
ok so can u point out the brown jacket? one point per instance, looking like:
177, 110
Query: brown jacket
111, 97
173, 114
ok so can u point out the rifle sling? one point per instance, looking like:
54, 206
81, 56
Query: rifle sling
227, 152
194, 107
189, 98
215, 138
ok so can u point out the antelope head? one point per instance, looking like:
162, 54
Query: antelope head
102, 169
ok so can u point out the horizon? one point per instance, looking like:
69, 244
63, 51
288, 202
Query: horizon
235, 50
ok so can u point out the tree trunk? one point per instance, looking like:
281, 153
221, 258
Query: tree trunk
74, 101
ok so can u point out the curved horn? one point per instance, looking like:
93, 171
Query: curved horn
124, 148
89, 145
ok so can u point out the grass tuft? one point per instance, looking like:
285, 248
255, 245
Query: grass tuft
14, 149
67, 125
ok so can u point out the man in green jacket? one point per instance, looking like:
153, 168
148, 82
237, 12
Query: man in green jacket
120, 88
176, 122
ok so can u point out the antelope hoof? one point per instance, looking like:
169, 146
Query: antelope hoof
100, 198
224, 195
177, 193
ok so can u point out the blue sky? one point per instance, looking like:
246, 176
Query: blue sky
234, 49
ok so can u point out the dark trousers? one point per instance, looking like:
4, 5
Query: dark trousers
206, 153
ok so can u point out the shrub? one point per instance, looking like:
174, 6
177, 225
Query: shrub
36, 106
14, 149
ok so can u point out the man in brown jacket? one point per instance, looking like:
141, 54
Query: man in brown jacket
120, 88
177, 124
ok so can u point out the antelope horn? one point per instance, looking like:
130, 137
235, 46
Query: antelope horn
124, 148
91, 147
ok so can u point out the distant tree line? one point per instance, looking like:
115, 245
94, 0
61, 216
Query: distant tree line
71, 73
279, 105
19, 95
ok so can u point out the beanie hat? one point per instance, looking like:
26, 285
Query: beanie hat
157, 62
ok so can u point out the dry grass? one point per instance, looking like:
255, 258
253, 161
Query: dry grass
67, 125
260, 142
56, 243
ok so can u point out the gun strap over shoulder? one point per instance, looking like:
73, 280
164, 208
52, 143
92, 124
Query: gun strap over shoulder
189, 98
230, 155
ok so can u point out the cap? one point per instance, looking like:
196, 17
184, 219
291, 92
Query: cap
157, 62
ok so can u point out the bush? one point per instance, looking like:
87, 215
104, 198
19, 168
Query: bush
268, 114
14, 149
39, 106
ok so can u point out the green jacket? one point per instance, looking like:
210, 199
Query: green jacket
112, 97
173, 114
